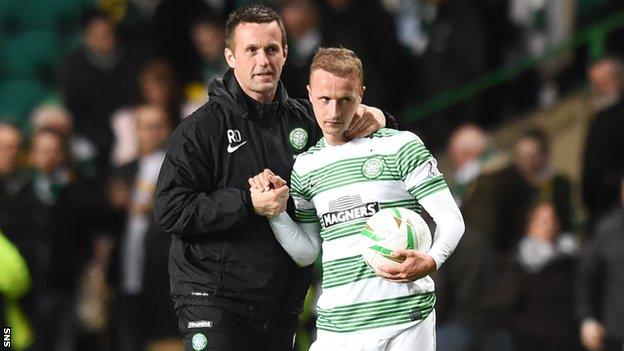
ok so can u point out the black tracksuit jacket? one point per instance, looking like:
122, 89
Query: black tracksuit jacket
222, 254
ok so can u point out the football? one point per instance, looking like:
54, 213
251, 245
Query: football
393, 229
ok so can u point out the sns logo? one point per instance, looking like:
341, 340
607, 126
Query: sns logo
234, 140
6, 333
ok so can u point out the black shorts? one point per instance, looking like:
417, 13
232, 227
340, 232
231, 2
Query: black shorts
211, 328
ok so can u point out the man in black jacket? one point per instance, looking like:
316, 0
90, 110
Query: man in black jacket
600, 281
234, 286
603, 161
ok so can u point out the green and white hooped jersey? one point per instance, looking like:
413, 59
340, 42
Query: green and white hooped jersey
340, 187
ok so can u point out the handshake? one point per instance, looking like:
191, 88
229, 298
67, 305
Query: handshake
269, 193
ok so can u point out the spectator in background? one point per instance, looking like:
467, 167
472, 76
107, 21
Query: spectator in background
506, 210
96, 79
542, 25
529, 177
82, 151
302, 22
546, 260
13, 220
414, 20
172, 21
209, 42
478, 281
145, 313
603, 159
476, 293
600, 301
60, 209
456, 54
469, 151
532, 159
12, 179
159, 88
368, 30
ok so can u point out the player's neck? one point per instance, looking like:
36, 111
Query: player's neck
336, 140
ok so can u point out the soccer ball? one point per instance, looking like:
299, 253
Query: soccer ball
393, 229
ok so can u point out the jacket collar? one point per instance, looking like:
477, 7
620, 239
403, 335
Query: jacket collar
228, 88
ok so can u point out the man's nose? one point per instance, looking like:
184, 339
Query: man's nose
262, 59
334, 108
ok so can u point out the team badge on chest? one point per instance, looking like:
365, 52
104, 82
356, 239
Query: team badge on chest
298, 138
373, 167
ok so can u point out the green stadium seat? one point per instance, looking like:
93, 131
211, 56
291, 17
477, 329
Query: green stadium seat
18, 98
4, 37
34, 54
62, 16
8, 23
39, 14
70, 12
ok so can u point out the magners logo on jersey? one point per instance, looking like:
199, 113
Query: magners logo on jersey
357, 212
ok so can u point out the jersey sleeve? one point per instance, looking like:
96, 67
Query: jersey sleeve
304, 208
300, 238
419, 169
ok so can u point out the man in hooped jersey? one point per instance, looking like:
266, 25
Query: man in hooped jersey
360, 309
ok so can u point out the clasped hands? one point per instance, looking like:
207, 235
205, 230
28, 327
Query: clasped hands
269, 193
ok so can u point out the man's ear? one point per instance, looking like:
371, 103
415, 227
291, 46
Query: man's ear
229, 57
285, 52
362, 92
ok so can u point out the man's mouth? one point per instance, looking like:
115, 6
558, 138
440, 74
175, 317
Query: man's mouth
334, 123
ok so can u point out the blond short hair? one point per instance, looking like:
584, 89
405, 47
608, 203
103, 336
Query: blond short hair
340, 62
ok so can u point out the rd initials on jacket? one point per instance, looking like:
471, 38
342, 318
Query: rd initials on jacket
234, 140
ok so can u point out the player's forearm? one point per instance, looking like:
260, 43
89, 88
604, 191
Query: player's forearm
302, 242
449, 224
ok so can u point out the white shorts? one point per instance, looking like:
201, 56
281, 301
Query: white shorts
419, 337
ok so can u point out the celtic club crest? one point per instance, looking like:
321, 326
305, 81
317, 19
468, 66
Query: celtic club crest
298, 138
199, 342
373, 167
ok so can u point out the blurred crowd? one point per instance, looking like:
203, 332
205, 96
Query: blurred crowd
78, 172
529, 272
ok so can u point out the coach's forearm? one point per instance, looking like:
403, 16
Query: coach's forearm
188, 213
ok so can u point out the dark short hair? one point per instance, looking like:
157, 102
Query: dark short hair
255, 13
208, 20
91, 15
